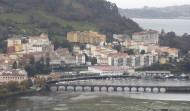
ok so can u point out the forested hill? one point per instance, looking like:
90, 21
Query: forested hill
57, 17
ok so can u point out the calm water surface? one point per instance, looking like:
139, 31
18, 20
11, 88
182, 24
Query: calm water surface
179, 26
101, 101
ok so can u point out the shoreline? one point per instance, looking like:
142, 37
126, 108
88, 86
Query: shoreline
28, 91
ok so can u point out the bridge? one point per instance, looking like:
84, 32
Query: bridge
178, 89
51, 81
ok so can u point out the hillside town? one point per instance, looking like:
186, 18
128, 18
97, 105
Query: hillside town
122, 56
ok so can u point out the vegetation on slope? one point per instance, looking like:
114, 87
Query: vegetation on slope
171, 40
57, 17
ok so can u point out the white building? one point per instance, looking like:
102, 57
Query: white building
102, 61
124, 60
55, 61
37, 49
154, 73
106, 70
42, 40
121, 37
80, 59
101, 51
150, 37
70, 60
18, 75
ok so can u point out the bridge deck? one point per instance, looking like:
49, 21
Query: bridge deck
115, 87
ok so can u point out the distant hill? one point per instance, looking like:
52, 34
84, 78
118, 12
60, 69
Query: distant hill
57, 17
172, 12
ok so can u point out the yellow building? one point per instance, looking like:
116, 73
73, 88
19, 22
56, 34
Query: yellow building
18, 48
73, 36
90, 37
13, 42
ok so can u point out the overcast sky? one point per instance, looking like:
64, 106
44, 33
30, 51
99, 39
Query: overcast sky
150, 3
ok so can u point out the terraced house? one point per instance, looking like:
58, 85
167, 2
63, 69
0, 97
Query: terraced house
34, 44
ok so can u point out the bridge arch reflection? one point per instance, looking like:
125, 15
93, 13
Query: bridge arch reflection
92, 88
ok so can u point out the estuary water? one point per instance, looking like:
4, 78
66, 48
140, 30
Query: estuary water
101, 101
179, 26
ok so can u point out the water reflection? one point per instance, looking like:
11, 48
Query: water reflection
130, 101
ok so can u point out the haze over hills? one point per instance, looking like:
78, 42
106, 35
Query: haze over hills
171, 12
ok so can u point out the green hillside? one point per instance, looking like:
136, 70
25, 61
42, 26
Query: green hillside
57, 17
23, 21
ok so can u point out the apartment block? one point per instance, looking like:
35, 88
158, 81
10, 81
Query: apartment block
90, 37
150, 37
135, 61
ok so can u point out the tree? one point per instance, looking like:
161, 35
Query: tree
104, 44
25, 83
15, 65
30, 82
185, 35
31, 70
171, 34
93, 61
12, 86
142, 52
47, 60
130, 52
42, 60
4, 90
86, 56
40, 82
162, 31
40, 65
32, 60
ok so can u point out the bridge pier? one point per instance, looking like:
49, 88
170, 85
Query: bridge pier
123, 88
83, 89
107, 89
74, 89
57, 88
159, 90
115, 88
130, 89
137, 89
92, 89
100, 89
152, 89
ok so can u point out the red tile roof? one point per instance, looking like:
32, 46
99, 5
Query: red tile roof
70, 57
118, 54
63, 54
107, 68
103, 58
77, 54
146, 32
